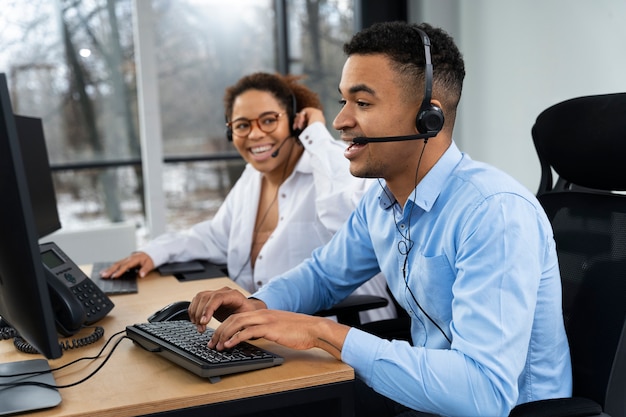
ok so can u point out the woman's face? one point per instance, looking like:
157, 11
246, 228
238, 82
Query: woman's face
260, 125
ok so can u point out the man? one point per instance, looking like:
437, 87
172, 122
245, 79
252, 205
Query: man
467, 252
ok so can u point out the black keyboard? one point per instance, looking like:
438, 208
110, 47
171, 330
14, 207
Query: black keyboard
181, 343
126, 284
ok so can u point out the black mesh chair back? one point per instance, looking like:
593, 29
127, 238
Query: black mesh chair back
583, 141
590, 233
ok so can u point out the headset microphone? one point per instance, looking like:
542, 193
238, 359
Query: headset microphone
294, 134
275, 153
423, 136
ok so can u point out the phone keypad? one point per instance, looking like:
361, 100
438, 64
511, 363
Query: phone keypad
96, 303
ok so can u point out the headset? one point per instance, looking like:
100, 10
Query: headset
429, 120
430, 117
292, 116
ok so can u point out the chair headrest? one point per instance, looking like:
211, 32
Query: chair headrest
584, 140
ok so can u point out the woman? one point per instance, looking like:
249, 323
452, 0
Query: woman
293, 195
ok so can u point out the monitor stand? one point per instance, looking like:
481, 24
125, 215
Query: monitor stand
24, 398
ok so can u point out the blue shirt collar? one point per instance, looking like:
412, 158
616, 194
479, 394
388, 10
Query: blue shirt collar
430, 186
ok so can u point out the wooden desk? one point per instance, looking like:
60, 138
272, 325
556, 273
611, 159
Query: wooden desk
135, 382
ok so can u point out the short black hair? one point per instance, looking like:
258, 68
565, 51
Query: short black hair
403, 45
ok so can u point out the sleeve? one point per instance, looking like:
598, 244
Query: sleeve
337, 190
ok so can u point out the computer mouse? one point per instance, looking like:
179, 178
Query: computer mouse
174, 311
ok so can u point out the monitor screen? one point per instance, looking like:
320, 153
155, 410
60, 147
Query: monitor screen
37, 168
24, 297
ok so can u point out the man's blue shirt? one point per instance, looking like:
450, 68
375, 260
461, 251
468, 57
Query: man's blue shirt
472, 258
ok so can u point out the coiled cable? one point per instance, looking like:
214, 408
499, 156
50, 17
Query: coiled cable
22, 345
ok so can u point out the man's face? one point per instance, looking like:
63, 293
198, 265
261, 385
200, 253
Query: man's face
375, 105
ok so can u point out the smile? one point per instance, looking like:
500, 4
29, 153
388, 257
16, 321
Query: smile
260, 149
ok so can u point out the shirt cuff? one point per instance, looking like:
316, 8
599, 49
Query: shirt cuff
359, 351
271, 300
314, 136
157, 253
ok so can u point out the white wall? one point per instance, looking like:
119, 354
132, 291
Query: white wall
106, 243
521, 57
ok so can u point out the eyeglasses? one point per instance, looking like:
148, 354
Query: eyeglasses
266, 123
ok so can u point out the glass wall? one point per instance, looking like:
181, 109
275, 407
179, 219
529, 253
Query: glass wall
72, 63
202, 47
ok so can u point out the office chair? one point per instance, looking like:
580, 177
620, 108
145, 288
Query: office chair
347, 311
587, 131
583, 140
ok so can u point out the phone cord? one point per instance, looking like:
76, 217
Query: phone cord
23, 346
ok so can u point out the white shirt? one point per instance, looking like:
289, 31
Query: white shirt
313, 203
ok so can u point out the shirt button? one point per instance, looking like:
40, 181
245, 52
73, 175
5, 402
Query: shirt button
259, 283
283, 195
259, 257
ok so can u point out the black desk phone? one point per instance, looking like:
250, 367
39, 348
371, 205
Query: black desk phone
75, 298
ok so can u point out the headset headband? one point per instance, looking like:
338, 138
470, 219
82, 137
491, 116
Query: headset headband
428, 70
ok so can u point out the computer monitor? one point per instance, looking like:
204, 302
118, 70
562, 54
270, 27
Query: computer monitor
37, 168
24, 297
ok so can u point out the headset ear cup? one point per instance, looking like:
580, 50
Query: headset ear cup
292, 131
292, 116
229, 131
429, 120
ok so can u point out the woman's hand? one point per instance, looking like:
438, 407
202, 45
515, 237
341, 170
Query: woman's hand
307, 116
139, 260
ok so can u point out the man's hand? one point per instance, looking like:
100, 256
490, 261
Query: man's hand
220, 304
136, 259
296, 331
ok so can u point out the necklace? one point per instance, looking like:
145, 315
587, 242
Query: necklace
260, 224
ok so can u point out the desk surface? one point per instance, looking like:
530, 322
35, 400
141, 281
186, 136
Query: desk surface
135, 382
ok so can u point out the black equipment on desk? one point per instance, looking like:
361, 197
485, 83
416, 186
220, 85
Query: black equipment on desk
192, 270
181, 343
76, 299
124, 284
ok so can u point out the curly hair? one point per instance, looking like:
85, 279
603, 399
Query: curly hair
403, 45
286, 89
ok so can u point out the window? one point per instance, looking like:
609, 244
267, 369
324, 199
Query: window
72, 63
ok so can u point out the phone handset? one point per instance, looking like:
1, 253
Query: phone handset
69, 314
75, 298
